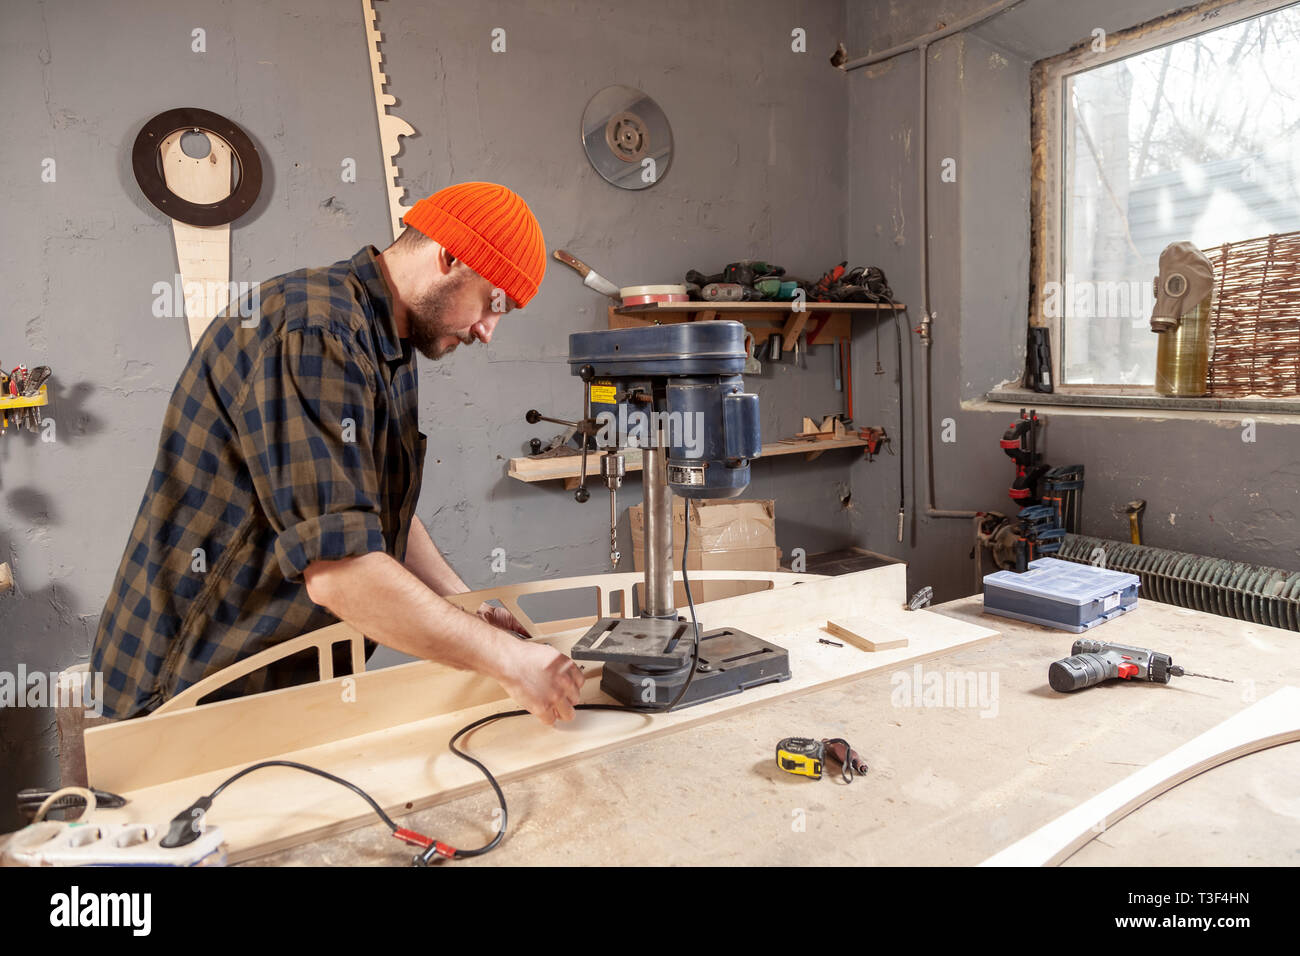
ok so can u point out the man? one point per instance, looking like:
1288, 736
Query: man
283, 494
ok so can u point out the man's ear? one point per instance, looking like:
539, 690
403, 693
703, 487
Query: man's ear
445, 260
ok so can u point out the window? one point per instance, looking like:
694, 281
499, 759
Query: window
1164, 133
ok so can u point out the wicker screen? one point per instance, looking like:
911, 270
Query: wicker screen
1255, 318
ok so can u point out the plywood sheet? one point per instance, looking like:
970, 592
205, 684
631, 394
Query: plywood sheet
396, 723
1272, 721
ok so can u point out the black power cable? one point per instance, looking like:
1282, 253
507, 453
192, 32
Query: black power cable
425, 857
902, 422
695, 627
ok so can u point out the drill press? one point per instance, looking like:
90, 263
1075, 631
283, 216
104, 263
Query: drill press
674, 391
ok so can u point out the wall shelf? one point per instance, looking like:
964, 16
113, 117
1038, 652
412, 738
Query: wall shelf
819, 321
567, 467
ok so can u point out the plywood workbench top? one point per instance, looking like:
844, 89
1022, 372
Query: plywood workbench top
947, 785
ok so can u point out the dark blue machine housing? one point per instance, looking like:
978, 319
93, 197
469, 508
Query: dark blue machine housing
686, 378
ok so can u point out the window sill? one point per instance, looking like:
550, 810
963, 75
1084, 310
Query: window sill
1144, 404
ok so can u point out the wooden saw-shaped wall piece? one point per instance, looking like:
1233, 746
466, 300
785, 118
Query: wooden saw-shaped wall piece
391, 127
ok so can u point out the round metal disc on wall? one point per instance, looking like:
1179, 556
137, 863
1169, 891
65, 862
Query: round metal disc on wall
627, 137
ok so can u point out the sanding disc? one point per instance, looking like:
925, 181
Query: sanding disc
627, 137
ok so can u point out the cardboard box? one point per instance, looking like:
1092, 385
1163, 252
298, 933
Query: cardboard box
727, 534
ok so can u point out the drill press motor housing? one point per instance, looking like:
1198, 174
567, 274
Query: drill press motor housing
676, 392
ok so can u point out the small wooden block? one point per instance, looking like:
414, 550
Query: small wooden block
833, 427
855, 631
6, 578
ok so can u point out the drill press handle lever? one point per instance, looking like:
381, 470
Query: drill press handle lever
586, 428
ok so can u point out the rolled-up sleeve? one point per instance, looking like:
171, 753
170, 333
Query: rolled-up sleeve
308, 430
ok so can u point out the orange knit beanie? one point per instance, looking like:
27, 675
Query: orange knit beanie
490, 229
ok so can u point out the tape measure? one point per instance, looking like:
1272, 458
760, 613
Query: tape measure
801, 755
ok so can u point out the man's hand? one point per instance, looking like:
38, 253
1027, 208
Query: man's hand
500, 617
543, 681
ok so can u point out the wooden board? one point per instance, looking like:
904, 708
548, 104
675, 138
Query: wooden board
550, 469
791, 330
387, 730
1272, 721
867, 633
202, 252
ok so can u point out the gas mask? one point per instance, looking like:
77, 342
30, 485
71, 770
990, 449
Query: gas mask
1186, 278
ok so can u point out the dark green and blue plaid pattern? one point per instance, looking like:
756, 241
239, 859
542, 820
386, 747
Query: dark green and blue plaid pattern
288, 441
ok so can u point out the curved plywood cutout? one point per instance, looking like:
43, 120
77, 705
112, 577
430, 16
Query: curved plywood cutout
324, 639
1273, 721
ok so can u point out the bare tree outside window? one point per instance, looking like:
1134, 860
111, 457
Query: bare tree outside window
1196, 140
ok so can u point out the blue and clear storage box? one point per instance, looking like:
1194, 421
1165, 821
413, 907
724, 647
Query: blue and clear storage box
1061, 594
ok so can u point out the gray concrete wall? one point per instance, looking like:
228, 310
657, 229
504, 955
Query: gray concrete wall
759, 170
1207, 490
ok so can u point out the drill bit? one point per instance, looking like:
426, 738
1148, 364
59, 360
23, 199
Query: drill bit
1177, 671
613, 529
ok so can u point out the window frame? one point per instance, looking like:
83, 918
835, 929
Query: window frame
1049, 146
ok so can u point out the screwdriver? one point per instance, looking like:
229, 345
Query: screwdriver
1092, 662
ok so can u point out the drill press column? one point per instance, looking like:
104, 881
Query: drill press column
658, 535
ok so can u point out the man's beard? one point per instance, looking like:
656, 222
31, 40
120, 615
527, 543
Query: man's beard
426, 322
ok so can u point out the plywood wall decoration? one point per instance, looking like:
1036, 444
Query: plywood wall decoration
202, 196
391, 127
202, 252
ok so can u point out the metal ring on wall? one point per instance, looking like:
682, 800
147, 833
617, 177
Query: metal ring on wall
144, 161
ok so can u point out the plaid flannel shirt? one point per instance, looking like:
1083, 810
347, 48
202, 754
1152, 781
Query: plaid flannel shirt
283, 443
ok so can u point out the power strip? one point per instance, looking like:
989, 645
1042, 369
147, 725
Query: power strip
51, 843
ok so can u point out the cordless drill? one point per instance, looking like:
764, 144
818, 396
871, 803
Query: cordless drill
1092, 662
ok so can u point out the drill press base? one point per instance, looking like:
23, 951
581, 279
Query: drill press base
731, 661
